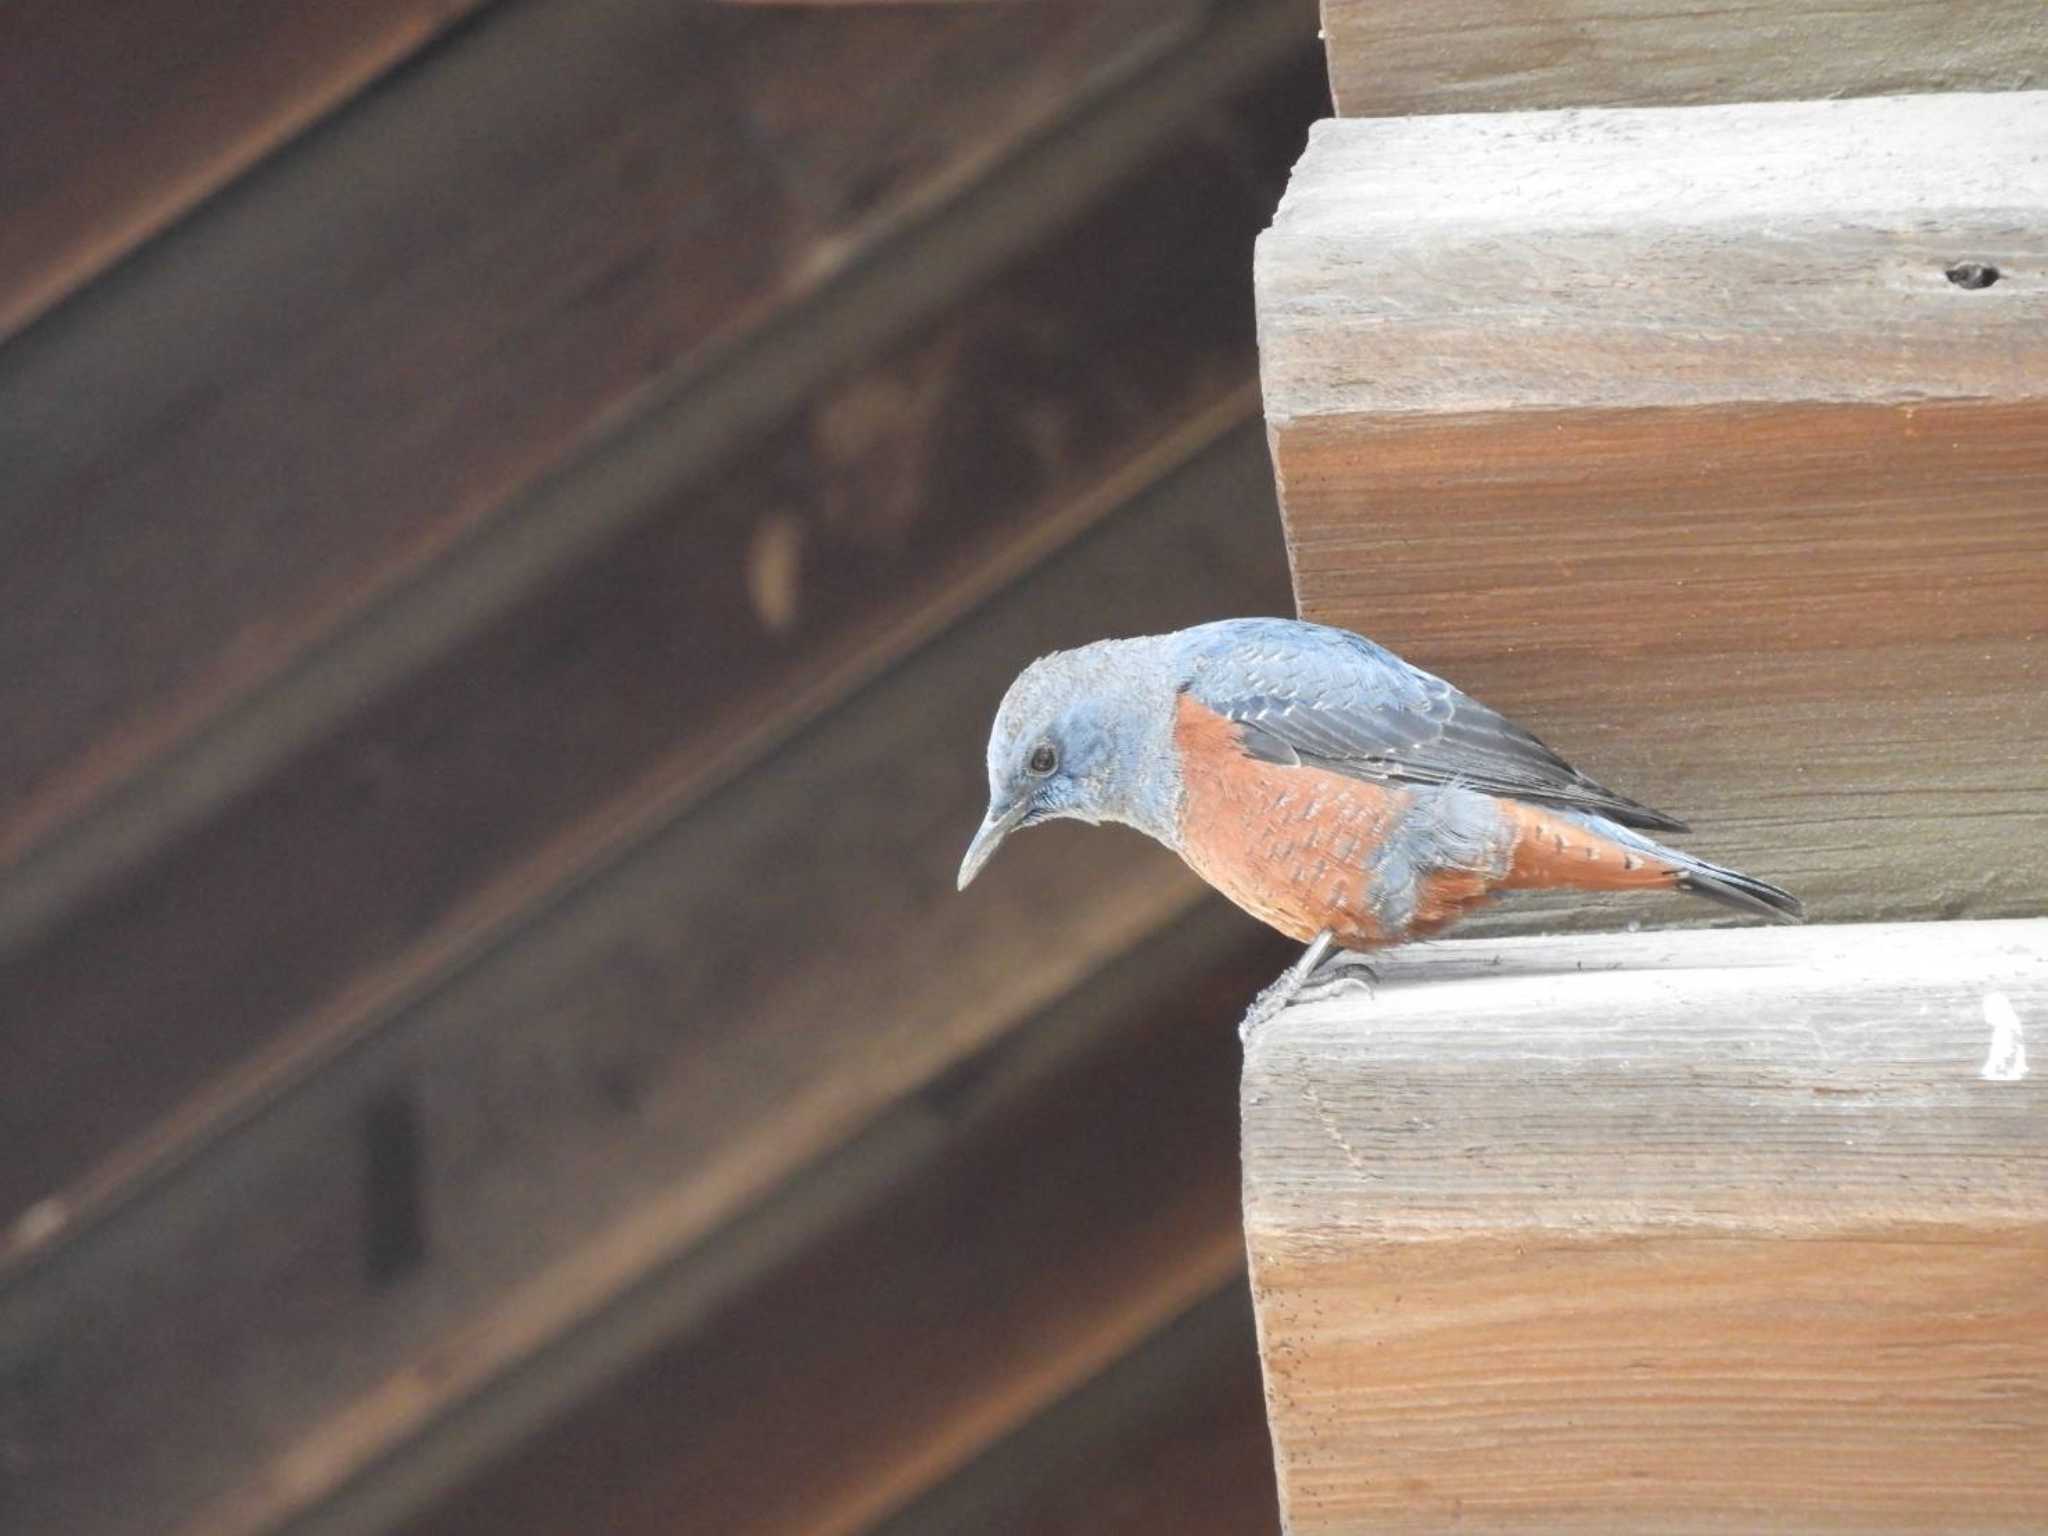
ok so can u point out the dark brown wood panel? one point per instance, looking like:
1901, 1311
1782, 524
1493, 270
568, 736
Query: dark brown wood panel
1080, 1188
631, 683
1170, 1439
661, 1045
120, 118
271, 416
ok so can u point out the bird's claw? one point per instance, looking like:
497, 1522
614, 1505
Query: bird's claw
1320, 973
1343, 973
1273, 997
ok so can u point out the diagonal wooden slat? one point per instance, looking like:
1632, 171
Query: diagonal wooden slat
661, 664
123, 118
1075, 1188
1170, 1438
280, 450
734, 996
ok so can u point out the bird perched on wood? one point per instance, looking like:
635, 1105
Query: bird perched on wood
1323, 784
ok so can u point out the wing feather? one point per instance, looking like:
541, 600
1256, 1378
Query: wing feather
1305, 693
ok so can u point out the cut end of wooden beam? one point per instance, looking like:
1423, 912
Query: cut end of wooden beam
1790, 251
1724, 1231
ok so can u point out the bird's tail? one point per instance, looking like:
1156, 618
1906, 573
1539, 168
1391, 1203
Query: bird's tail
1716, 882
1732, 888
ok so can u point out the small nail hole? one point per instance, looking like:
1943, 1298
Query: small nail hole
1973, 274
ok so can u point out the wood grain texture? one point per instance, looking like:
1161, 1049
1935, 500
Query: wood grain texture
1685, 1232
1471, 56
1043, 1229
666, 1041
1750, 533
1792, 252
280, 433
662, 663
121, 119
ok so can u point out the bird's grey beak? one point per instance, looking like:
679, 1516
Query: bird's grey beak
997, 825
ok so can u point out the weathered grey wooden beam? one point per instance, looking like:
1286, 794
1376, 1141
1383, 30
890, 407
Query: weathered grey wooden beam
1481, 56
1685, 1232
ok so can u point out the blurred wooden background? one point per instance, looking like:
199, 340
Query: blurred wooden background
517, 518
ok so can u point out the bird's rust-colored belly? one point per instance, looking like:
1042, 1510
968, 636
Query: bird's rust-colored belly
1298, 847
1293, 846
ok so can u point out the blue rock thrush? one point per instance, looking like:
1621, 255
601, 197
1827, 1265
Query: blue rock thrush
1322, 783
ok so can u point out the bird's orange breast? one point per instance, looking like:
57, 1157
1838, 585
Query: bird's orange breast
1293, 846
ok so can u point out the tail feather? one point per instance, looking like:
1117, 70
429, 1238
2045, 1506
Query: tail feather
1732, 888
1716, 882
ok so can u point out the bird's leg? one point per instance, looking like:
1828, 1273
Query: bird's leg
1287, 988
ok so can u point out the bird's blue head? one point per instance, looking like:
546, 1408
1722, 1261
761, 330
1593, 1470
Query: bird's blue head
1065, 744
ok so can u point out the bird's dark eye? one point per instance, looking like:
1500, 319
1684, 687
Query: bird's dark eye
1043, 759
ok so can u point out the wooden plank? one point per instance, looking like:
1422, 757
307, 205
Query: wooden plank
311, 413
665, 1042
1473, 56
1691, 256
1678, 1232
1044, 1228
1171, 1438
660, 665
122, 119
1669, 436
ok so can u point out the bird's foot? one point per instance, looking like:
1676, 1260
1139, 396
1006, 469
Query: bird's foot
1285, 989
1318, 975
1342, 974
1274, 997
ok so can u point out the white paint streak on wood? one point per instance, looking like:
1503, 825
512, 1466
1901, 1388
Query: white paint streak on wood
2006, 1061
1686, 1232
1793, 251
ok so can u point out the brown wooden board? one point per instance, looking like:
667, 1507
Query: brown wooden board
663, 1043
1477, 56
268, 424
1660, 1232
1672, 439
1815, 634
630, 684
120, 119
1077, 1189
1172, 1439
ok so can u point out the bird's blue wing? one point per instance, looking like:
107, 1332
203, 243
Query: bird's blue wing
1306, 693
